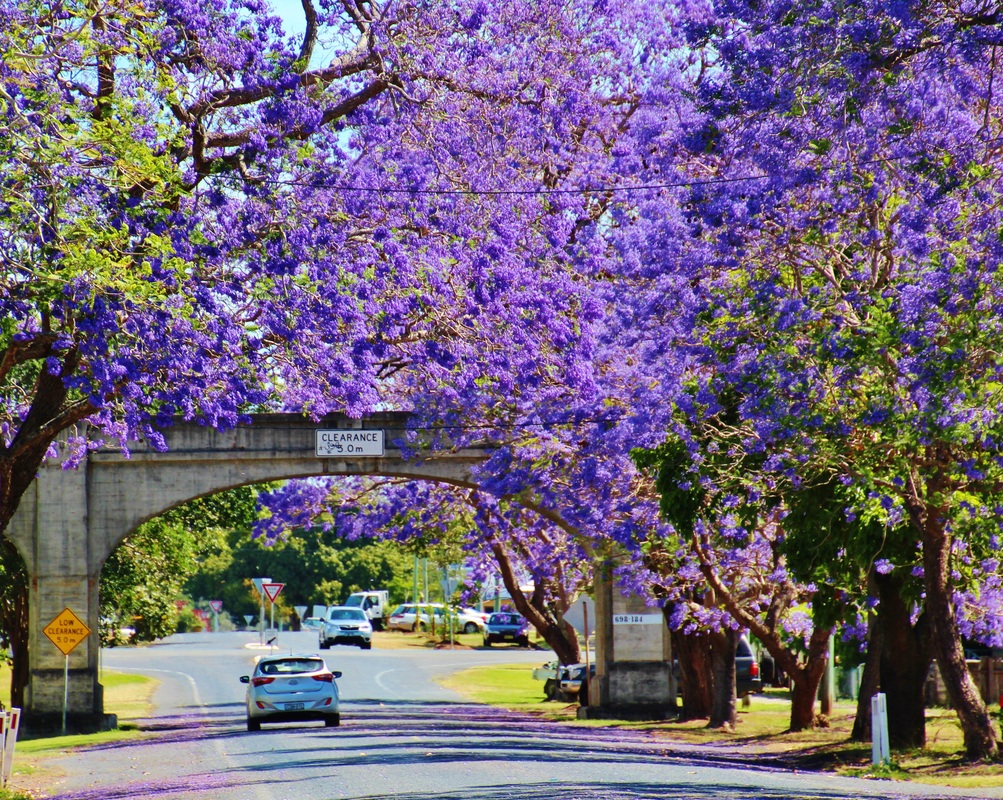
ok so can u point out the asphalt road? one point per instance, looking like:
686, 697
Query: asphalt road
402, 736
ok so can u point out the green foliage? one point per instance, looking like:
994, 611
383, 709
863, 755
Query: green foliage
680, 500
143, 577
187, 621
14, 794
204, 550
146, 574
316, 566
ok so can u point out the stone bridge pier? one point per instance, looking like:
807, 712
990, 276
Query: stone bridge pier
72, 519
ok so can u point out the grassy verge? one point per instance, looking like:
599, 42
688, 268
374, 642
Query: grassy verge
397, 640
126, 695
761, 730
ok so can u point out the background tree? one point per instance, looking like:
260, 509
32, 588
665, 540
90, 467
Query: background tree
14, 619
147, 573
144, 576
405, 214
840, 538
317, 566
726, 571
492, 539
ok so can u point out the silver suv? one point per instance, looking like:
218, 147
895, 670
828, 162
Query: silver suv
345, 625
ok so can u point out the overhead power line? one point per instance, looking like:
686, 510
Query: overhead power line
588, 189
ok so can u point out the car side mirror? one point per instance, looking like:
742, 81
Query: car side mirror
245, 678
336, 674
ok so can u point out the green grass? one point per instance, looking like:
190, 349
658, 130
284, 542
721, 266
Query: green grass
762, 729
509, 686
396, 640
125, 695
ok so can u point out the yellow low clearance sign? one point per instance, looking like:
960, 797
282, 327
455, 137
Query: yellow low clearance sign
66, 631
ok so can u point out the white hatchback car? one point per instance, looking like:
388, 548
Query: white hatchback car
291, 687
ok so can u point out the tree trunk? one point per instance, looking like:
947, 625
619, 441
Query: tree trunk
724, 709
904, 665
805, 679
14, 618
558, 633
980, 737
870, 683
805, 675
693, 654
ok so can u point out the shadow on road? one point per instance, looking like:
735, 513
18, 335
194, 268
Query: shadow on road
395, 737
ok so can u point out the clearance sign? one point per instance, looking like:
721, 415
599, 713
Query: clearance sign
66, 631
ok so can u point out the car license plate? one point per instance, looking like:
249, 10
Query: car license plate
294, 706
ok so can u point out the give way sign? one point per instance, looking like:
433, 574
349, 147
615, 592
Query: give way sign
272, 590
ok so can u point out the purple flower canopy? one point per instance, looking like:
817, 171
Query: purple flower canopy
566, 228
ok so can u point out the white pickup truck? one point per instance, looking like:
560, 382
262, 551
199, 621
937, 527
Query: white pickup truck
375, 603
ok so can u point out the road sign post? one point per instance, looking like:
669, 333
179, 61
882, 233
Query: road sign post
66, 631
272, 591
216, 606
258, 583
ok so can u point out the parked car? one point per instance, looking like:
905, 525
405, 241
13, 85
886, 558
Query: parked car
470, 620
311, 623
571, 678
747, 674
345, 625
506, 627
406, 618
291, 687
550, 673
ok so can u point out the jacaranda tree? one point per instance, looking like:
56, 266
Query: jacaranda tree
201, 216
499, 541
838, 183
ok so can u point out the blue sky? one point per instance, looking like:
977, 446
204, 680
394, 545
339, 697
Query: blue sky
291, 12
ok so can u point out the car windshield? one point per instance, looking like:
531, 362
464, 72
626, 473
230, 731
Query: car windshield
290, 666
505, 619
354, 600
346, 613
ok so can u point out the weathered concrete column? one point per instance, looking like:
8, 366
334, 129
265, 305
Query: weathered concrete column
633, 658
602, 592
50, 532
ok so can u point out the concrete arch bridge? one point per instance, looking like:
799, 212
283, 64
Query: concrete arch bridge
71, 520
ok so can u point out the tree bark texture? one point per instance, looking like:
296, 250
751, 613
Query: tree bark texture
805, 679
724, 708
904, 665
981, 741
693, 653
14, 618
870, 682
